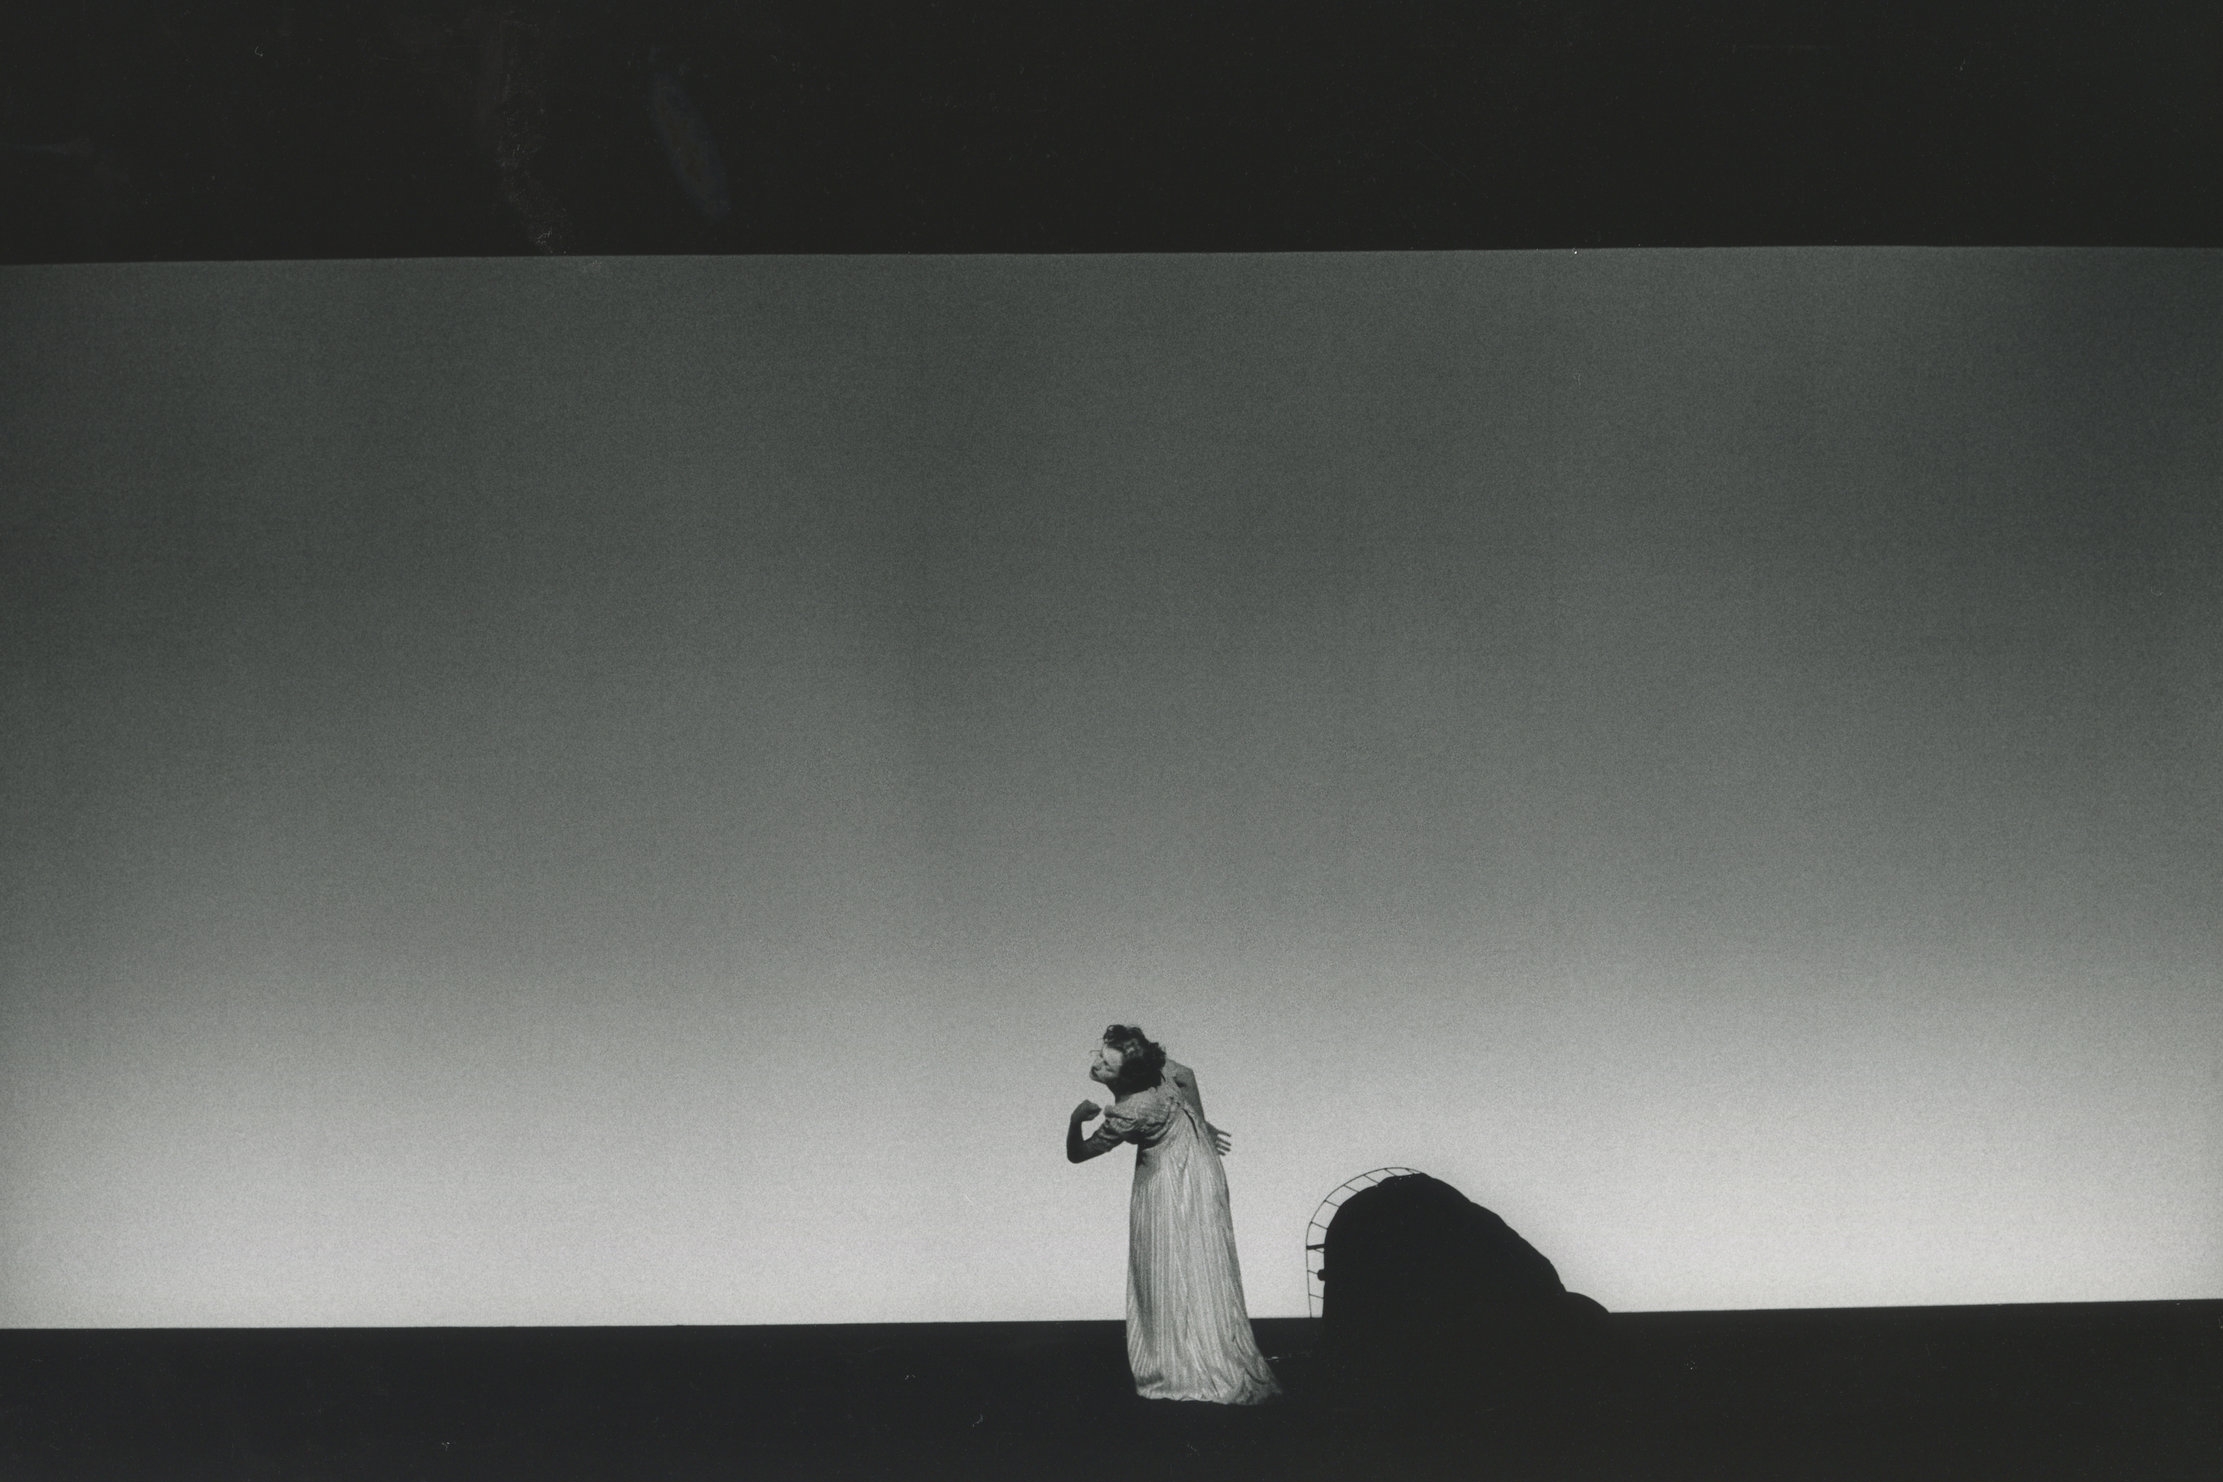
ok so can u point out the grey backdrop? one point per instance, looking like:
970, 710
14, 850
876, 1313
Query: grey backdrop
623, 791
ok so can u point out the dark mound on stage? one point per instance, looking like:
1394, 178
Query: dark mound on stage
2129, 1390
1432, 1302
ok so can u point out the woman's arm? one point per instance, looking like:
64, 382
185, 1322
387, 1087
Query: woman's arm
1184, 1081
1079, 1149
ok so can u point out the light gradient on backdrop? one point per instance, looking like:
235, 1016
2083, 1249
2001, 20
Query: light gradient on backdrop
622, 792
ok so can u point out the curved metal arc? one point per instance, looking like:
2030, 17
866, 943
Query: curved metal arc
1321, 1217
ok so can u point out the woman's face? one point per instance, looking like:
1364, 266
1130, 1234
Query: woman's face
1104, 1068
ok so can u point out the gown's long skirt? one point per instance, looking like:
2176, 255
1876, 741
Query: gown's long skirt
1188, 1333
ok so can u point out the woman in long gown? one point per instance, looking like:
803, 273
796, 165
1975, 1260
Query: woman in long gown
1188, 1333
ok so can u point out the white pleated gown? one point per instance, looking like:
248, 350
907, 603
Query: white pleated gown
1188, 1332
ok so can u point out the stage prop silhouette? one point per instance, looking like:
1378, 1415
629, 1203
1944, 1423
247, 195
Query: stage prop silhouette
1429, 1299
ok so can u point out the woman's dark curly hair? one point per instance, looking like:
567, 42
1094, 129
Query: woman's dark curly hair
1142, 1060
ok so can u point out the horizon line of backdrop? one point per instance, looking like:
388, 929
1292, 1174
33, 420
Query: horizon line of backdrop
578, 792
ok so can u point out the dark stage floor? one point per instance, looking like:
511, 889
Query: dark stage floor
2128, 1391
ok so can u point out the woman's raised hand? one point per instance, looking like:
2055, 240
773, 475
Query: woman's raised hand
1219, 1138
1086, 1111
